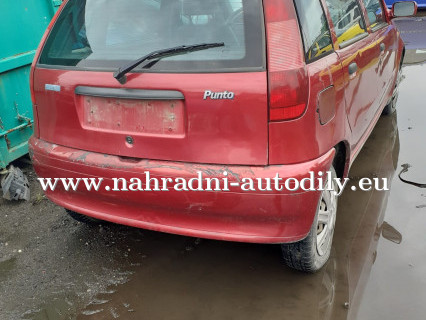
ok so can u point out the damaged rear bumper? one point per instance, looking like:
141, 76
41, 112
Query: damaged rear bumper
235, 215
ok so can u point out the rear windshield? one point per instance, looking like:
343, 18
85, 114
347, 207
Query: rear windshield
104, 34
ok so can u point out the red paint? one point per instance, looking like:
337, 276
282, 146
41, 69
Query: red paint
212, 127
216, 135
36, 57
269, 217
288, 81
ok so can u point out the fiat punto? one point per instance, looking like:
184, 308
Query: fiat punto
246, 89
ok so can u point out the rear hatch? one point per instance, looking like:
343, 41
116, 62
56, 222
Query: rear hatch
209, 106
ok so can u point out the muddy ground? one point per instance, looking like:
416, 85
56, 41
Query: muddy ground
52, 267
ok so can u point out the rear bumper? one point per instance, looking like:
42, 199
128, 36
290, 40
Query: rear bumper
235, 215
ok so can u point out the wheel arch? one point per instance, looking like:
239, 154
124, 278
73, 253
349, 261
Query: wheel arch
341, 159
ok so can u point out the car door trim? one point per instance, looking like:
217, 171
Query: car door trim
135, 94
379, 26
353, 40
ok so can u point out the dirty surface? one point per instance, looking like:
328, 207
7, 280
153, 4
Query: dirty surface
52, 267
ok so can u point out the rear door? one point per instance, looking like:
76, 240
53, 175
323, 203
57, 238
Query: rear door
387, 47
359, 57
327, 91
208, 106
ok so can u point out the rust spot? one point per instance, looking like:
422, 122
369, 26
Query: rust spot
129, 159
7, 141
82, 158
18, 54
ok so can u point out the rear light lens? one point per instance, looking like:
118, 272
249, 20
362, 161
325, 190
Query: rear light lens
287, 113
287, 78
288, 93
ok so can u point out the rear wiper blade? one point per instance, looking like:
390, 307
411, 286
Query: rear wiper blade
120, 74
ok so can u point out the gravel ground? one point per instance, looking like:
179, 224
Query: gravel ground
44, 252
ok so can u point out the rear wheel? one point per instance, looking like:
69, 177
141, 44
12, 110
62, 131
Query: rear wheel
82, 218
311, 253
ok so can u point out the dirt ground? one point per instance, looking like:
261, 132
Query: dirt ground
52, 267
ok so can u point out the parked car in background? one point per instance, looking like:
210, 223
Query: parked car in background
176, 87
420, 3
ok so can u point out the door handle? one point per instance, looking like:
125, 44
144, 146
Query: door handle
382, 47
353, 68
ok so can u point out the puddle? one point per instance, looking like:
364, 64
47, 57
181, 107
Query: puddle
396, 287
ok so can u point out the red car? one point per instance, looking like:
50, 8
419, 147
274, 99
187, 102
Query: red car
223, 87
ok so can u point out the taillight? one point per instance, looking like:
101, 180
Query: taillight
287, 78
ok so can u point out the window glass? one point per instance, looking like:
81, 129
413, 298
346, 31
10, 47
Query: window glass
347, 19
375, 12
108, 33
314, 28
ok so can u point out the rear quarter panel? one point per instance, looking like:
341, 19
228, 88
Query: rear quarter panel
306, 138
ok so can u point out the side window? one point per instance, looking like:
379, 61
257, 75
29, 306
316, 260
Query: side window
347, 19
375, 12
314, 28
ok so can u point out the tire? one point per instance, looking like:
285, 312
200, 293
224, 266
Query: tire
390, 108
83, 219
311, 253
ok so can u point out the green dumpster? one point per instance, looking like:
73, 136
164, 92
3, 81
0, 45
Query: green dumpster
22, 24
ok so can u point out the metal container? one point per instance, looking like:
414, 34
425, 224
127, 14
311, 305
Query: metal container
22, 24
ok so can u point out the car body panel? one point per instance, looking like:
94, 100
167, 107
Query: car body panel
323, 73
388, 66
361, 87
209, 127
262, 217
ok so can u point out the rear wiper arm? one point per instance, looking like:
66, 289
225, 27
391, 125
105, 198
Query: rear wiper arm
120, 74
